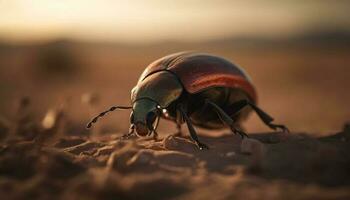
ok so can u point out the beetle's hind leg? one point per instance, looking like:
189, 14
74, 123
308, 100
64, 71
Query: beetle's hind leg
191, 129
227, 119
267, 119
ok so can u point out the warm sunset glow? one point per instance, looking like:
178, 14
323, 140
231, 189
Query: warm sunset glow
150, 20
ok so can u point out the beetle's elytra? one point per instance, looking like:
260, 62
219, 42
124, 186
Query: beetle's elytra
193, 88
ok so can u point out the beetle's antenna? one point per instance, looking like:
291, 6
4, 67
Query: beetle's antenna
94, 120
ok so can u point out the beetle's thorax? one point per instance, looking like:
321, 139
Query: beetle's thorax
149, 96
162, 87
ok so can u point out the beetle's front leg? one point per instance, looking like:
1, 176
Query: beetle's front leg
191, 129
178, 120
130, 134
155, 136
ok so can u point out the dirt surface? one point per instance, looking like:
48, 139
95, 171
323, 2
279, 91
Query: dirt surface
264, 166
48, 92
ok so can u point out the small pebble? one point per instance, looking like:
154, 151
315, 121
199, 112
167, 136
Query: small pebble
257, 151
252, 146
179, 144
230, 154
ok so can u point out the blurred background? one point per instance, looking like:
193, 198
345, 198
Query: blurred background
83, 56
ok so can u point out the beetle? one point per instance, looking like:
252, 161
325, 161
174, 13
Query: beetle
193, 88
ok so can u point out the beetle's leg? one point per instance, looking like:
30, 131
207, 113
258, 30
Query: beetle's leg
130, 134
191, 129
227, 119
267, 119
179, 132
179, 120
155, 136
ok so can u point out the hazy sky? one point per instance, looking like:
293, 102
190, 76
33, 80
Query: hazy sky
150, 20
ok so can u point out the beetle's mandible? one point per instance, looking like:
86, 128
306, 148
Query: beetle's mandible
193, 88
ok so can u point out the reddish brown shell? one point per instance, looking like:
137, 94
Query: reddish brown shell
198, 72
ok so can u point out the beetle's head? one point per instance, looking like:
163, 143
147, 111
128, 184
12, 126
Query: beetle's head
145, 116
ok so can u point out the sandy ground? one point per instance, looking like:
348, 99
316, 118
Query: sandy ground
45, 152
264, 166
